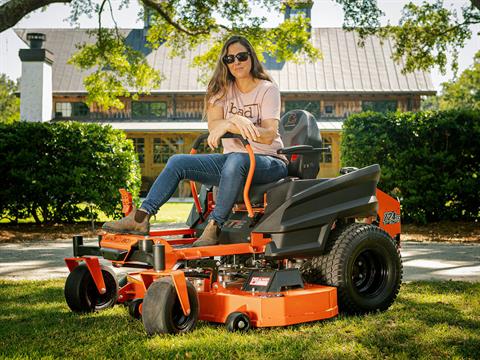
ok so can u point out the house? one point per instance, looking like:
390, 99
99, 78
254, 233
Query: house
349, 79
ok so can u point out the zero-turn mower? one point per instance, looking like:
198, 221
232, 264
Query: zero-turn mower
296, 250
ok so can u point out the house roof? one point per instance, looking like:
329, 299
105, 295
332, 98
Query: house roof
345, 67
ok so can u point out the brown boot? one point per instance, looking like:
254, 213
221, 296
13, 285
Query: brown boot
210, 235
137, 222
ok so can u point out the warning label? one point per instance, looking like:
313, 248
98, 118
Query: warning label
259, 281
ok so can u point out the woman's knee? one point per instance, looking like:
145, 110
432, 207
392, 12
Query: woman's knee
176, 160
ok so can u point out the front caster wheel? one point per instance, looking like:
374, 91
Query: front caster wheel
82, 295
134, 308
162, 312
238, 321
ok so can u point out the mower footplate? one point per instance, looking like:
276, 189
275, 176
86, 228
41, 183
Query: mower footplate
314, 302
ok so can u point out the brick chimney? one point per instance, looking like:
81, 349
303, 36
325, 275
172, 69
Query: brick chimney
36, 81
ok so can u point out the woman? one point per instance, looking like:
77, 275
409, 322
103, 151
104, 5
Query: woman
241, 99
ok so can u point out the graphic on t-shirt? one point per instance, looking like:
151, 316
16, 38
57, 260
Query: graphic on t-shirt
250, 111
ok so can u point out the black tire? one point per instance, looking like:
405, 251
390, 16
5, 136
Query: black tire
162, 312
82, 295
363, 262
134, 308
238, 321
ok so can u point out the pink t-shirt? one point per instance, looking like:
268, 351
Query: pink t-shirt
263, 102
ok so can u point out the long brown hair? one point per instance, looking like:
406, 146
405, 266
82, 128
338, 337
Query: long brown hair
222, 77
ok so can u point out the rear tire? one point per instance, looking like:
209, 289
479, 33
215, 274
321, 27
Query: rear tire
162, 312
82, 295
362, 261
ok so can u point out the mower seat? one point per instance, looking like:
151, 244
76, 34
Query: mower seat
302, 142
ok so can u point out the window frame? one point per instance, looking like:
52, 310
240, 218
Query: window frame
381, 106
164, 156
147, 112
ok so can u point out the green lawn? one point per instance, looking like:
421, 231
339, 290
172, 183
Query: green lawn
173, 212
430, 320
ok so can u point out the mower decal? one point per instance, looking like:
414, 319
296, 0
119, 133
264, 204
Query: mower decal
391, 217
291, 121
259, 281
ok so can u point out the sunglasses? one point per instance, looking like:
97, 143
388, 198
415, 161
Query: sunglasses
241, 56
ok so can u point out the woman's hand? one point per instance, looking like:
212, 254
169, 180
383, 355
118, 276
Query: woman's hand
247, 129
213, 139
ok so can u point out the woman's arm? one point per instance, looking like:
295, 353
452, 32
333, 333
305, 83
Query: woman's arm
266, 132
218, 126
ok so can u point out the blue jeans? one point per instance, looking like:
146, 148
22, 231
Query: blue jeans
227, 171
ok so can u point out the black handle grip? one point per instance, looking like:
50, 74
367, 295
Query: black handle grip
199, 140
235, 136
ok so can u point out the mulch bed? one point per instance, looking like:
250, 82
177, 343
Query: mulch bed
463, 232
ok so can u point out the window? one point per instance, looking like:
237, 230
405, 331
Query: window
311, 106
139, 146
326, 155
71, 109
328, 109
149, 109
379, 105
165, 147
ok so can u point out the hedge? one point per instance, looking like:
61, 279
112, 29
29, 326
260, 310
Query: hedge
430, 160
65, 171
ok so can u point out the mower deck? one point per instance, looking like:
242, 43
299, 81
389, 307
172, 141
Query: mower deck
314, 302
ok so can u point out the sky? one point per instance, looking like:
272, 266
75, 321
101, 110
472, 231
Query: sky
325, 13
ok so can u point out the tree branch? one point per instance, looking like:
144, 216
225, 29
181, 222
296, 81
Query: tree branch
476, 3
100, 11
158, 8
14, 10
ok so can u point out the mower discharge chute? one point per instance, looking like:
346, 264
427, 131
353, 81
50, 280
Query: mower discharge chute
297, 250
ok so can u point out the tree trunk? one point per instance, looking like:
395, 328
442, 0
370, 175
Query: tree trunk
35, 215
14, 10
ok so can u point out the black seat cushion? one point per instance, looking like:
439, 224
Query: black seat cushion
256, 192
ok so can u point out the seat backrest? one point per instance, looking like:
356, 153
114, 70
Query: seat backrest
299, 127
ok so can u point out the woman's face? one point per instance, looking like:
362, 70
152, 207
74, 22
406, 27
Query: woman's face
239, 69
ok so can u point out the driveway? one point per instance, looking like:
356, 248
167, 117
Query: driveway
421, 261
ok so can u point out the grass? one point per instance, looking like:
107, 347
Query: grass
429, 320
173, 212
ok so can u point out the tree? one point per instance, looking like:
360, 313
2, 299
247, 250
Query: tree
9, 102
464, 92
427, 35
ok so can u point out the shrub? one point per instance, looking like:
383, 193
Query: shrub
64, 171
431, 160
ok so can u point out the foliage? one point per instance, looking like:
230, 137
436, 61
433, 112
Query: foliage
9, 102
465, 91
429, 320
48, 170
430, 103
431, 160
427, 35
182, 25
